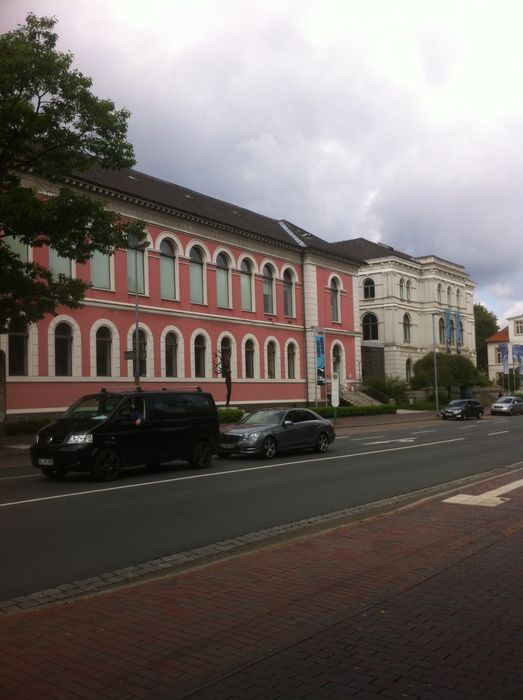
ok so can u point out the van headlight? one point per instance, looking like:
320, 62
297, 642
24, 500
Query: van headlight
79, 438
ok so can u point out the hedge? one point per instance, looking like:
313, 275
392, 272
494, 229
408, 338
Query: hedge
341, 411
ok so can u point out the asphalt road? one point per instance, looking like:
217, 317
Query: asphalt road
53, 533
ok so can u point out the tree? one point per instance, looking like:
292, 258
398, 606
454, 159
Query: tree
486, 324
51, 126
222, 365
452, 370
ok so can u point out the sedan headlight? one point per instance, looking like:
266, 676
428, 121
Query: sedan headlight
252, 437
79, 438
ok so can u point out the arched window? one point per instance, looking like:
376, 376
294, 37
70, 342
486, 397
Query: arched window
142, 352
335, 300
406, 328
408, 288
246, 284
449, 296
268, 289
370, 327
103, 352
408, 370
249, 359
402, 288
167, 270
458, 298
135, 268
222, 280
18, 345
369, 290
199, 356
196, 274
288, 293
452, 332
271, 360
441, 327
63, 350
459, 339
291, 361
171, 355
225, 355
440, 292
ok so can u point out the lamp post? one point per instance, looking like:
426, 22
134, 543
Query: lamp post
435, 366
142, 246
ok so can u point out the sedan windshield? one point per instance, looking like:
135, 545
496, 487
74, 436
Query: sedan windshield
458, 403
504, 400
263, 418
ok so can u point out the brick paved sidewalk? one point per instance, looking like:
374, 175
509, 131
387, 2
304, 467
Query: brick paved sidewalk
424, 602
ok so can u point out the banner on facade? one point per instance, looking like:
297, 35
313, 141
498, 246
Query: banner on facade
503, 351
517, 357
447, 328
459, 339
320, 359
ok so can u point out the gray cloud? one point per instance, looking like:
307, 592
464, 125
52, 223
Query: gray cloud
382, 121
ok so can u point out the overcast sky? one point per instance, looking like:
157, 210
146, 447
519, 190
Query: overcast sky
396, 120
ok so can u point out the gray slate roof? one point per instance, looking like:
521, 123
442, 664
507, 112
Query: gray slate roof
361, 248
183, 201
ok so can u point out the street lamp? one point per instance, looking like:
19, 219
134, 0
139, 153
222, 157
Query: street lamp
435, 365
142, 246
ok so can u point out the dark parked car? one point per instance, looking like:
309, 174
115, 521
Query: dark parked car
101, 433
507, 406
460, 409
269, 431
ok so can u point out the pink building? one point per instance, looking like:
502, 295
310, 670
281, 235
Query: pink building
216, 281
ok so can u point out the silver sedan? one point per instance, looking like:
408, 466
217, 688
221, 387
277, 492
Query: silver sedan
269, 431
507, 406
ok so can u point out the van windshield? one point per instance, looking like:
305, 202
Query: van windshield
96, 407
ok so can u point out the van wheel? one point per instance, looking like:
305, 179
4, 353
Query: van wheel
201, 455
107, 465
55, 473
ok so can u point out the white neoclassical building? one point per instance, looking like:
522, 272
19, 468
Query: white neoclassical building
408, 306
505, 354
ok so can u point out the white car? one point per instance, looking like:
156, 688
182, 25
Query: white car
507, 406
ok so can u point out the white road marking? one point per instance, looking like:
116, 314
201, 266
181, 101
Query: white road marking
385, 442
500, 432
490, 499
367, 438
422, 432
226, 473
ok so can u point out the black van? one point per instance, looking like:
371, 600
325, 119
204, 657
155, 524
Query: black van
101, 433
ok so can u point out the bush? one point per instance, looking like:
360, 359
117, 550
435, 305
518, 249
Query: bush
341, 411
230, 415
385, 388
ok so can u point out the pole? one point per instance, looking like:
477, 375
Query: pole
139, 247
136, 326
435, 367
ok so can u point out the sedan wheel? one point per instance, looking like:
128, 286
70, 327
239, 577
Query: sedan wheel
269, 447
107, 465
322, 443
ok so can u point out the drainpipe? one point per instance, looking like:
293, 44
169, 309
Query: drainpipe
305, 343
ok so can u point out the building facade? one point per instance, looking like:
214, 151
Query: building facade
505, 355
215, 287
408, 306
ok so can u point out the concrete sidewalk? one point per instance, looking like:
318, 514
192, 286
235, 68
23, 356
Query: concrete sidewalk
420, 602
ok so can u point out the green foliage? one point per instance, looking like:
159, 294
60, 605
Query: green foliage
230, 415
51, 125
452, 371
341, 411
387, 388
486, 324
